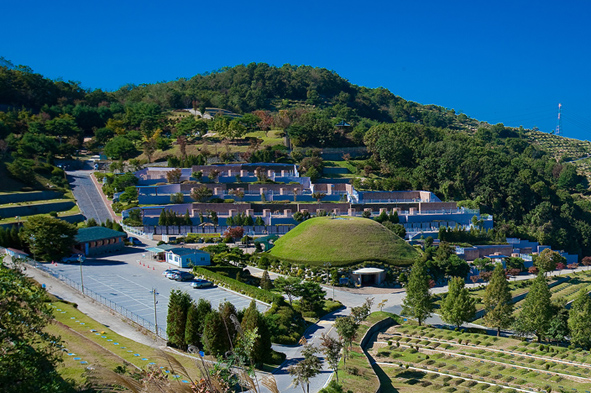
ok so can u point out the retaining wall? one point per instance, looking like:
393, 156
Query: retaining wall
29, 210
368, 336
29, 196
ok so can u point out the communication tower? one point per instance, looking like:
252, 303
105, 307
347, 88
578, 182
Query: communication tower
559, 122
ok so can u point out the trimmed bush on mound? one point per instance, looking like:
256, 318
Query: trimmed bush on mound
342, 241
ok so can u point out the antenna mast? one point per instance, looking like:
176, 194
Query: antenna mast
559, 123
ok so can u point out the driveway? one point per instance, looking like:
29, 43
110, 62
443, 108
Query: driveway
89, 199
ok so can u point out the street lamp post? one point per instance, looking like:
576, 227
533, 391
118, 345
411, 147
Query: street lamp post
32, 238
81, 276
327, 265
155, 292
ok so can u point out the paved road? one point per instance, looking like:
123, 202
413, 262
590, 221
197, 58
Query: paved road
89, 200
126, 280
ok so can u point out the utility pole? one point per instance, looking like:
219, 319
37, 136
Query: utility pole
80, 257
155, 292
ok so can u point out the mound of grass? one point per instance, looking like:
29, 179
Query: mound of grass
342, 241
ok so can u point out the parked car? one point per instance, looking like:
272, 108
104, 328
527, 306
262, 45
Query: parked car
200, 283
184, 276
74, 258
169, 273
135, 241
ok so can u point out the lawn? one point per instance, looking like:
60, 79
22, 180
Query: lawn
88, 343
342, 241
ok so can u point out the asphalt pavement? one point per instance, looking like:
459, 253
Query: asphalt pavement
88, 198
128, 278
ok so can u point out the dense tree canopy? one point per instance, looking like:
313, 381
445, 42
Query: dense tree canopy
29, 354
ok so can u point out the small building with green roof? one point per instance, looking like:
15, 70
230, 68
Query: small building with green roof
98, 240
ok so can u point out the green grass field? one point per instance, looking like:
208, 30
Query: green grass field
342, 241
87, 343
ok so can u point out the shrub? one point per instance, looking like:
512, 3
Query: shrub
235, 285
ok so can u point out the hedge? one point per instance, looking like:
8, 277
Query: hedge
240, 287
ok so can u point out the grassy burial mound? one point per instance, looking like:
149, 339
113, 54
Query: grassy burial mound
342, 241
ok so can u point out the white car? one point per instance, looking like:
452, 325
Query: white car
75, 258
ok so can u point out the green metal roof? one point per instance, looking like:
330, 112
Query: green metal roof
162, 248
94, 234
186, 251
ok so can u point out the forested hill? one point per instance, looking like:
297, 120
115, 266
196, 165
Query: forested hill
503, 171
242, 89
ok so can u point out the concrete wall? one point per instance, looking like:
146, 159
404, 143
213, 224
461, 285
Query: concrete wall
29, 196
369, 336
29, 210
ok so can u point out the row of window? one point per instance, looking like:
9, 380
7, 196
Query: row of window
104, 242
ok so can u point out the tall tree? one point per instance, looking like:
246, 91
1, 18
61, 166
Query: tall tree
458, 306
331, 347
498, 302
418, 302
579, 320
347, 329
178, 307
252, 320
306, 369
201, 194
195, 321
288, 285
536, 313
214, 334
558, 329
30, 354
548, 260
48, 238
266, 282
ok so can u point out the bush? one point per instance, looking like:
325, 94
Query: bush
277, 357
235, 285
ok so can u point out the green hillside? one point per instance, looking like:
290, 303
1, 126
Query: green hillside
342, 241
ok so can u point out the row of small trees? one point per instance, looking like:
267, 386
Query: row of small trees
217, 332
539, 316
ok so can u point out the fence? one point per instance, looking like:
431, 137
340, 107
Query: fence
99, 298
137, 231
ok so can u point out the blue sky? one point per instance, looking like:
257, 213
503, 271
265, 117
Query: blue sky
502, 61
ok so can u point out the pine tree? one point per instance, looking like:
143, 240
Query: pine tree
3, 240
176, 321
228, 315
249, 221
214, 334
394, 217
251, 320
418, 302
230, 221
163, 219
266, 282
187, 219
536, 313
458, 306
192, 332
579, 320
497, 300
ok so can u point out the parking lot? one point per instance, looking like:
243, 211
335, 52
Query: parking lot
128, 279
